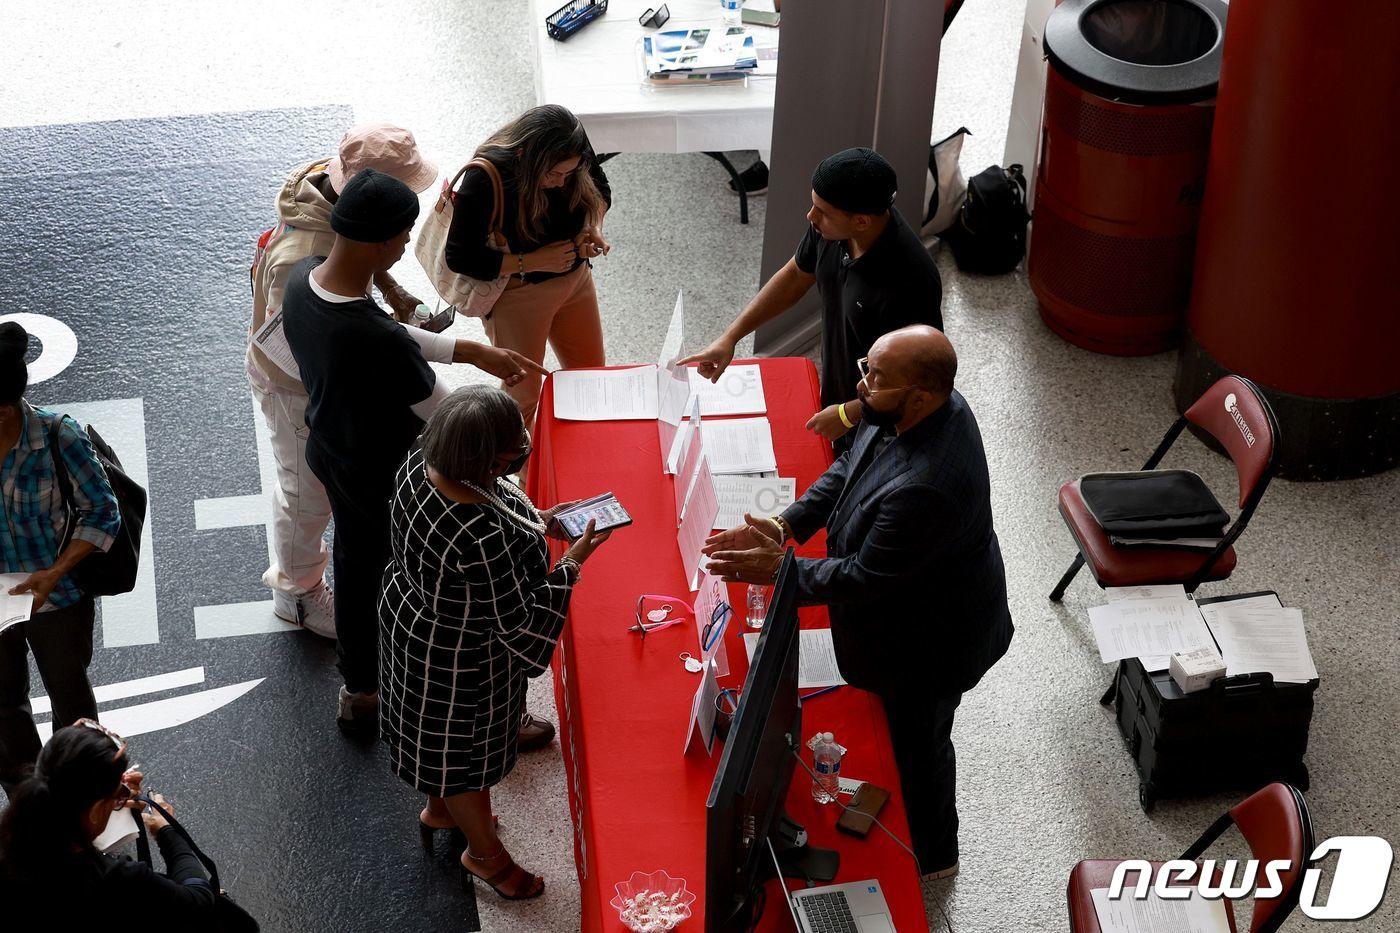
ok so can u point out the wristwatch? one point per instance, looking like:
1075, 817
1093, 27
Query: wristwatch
784, 531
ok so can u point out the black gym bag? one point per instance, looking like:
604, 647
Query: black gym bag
989, 234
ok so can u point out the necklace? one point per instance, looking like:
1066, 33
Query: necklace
535, 521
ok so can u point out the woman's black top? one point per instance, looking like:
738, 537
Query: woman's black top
94, 891
466, 250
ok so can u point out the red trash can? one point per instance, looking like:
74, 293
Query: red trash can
1129, 101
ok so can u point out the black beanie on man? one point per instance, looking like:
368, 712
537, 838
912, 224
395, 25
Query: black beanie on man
857, 181
374, 208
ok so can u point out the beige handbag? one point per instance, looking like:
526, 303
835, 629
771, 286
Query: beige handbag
473, 297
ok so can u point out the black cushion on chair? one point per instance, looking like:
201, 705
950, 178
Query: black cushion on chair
1153, 504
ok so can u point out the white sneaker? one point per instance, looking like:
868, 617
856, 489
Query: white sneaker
313, 611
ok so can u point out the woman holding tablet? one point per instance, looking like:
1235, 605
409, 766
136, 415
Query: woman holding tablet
470, 609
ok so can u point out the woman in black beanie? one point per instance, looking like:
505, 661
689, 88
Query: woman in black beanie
36, 561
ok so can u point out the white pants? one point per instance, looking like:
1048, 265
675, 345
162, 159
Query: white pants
300, 508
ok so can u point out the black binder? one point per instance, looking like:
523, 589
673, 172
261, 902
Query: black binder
1240, 734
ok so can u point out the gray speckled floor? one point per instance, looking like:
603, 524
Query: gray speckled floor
1044, 777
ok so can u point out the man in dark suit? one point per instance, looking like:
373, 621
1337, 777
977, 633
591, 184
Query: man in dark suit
914, 579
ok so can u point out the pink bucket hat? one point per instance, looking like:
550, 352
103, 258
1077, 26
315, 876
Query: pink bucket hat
385, 148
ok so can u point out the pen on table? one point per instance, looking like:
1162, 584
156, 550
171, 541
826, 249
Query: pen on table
817, 693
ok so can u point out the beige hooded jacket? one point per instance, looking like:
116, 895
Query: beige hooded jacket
303, 229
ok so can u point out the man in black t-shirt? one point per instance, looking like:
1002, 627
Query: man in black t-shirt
872, 272
370, 391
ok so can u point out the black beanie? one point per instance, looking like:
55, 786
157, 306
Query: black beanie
14, 372
857, 181
374, 208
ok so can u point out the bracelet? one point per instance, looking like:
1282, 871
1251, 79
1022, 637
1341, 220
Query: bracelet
570, 562
520, 258
841, 413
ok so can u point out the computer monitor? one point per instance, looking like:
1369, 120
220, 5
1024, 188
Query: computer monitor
745, 807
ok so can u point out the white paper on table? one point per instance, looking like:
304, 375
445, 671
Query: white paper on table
1147, 591
740, 445
606, 394
761, 498
1263, 638
738, 391
1147, 627
703, 711
693, 439
816, 658
848, 786
712, 595
271, 339
121, 827
1194, 914
695, 526
14, 609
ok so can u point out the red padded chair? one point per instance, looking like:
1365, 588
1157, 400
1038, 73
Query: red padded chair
1236, 414
1275, 823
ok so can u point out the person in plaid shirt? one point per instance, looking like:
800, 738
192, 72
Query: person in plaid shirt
60, 628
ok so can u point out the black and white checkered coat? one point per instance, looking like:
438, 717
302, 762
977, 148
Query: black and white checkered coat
468, 611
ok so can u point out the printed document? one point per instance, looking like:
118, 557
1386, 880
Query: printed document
740, 445
1145, 628
761, 498
606, 394
1146, 591
271, 339
739, 391
1194, 914
703, 711
14, 609
1263, 638
816, 658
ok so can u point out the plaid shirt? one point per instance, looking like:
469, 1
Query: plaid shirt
35, 514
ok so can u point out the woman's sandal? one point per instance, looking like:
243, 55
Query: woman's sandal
512, 871
458, 840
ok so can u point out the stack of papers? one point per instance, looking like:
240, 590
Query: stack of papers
816, 658
1258, 634
1149, 627
1154, 914
739, 391
740, 445
14, 609
722, 53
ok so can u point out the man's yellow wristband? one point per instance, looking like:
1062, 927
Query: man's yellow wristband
841, 413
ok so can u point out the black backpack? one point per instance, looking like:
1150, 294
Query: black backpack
989, 235
113, 571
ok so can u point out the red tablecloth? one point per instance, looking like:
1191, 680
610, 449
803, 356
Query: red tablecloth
637, 803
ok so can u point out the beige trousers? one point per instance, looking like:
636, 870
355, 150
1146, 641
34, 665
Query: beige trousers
561, 311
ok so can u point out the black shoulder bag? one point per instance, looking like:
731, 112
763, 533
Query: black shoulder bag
228, 916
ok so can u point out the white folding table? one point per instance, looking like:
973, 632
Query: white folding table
597, 74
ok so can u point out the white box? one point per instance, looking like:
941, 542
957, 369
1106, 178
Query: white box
1195, 669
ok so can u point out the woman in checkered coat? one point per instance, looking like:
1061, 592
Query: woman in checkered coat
470, 608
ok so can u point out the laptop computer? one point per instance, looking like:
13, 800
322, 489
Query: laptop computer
856, 907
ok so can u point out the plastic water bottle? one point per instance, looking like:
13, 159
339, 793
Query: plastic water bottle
826, 762
732, 11
757, 606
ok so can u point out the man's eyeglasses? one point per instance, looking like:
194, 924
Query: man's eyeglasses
863, 367
96, 726
655, 19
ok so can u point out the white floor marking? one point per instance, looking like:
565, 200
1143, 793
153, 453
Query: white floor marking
238, 619
132, 688
128, 721
128, 619
59, 343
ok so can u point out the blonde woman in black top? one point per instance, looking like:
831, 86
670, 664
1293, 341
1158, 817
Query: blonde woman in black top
555, 195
